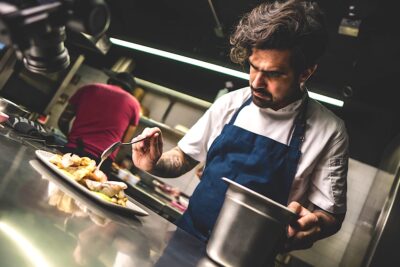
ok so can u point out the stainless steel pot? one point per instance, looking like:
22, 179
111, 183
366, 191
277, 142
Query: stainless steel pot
10, 108
249, 228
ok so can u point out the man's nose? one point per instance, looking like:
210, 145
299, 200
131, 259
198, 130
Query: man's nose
258, 81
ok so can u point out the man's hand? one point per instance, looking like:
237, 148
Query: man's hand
310, 227
145, 154
148, 155
305, 231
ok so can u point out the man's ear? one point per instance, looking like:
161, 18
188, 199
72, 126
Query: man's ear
306, 74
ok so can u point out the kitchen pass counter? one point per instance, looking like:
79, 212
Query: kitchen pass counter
42, 225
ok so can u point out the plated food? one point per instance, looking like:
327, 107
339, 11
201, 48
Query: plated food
67, 181
83, 171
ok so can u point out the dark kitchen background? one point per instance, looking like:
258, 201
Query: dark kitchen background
359, 67
362, 70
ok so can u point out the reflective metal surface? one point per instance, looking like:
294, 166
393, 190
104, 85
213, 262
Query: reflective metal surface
375, 240
10, 108
42, 224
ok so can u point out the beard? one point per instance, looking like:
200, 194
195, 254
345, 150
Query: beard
263, 99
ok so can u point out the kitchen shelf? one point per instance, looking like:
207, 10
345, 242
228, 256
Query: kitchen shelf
173, 95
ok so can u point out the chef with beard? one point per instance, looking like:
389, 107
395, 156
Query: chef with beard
270, 137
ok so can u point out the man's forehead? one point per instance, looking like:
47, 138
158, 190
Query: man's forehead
270, 58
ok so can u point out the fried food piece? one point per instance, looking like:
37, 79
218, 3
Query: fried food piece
98, 176
80, 173
69, 160
56, 160
78, 168
113, 190
83, 170
109, 188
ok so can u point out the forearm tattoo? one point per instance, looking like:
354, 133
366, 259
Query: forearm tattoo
174, 163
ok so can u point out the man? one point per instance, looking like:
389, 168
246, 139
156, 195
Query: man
104, 114
270, 137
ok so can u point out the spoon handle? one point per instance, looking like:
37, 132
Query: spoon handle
129, 143
136, 141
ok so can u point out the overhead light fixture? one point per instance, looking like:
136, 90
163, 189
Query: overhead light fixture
181, 58
30, 251
326, 99
209, 66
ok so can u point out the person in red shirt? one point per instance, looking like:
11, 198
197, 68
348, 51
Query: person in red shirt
104, 114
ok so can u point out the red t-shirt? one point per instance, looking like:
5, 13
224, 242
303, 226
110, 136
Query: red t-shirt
103, 113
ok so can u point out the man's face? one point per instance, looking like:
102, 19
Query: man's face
273, 81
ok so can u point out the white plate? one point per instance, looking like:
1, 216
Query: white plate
45, 156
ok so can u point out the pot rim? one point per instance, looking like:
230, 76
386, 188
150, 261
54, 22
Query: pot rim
265, 199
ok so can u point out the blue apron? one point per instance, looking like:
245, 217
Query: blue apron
255, 161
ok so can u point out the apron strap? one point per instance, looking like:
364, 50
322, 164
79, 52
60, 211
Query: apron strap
299, 125
246, 103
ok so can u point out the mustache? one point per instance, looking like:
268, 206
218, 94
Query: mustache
260, 90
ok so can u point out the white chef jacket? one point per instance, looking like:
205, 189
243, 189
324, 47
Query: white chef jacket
322, 170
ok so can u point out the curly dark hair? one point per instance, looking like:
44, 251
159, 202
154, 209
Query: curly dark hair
296, 25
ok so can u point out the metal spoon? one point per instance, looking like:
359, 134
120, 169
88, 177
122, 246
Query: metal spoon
108, 151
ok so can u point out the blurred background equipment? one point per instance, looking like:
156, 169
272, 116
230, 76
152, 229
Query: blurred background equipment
37, 33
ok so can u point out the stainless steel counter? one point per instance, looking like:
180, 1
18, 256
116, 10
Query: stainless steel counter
37, 230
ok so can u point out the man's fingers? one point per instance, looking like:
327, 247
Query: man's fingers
309, 234
154, 146
150, 131
303, 232
291, 231
308, 221
159, 142
295, 207
146, 153
302, 239
307, 218
147, 132
298, 209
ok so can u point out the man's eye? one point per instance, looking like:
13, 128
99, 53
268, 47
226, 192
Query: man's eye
274, 74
